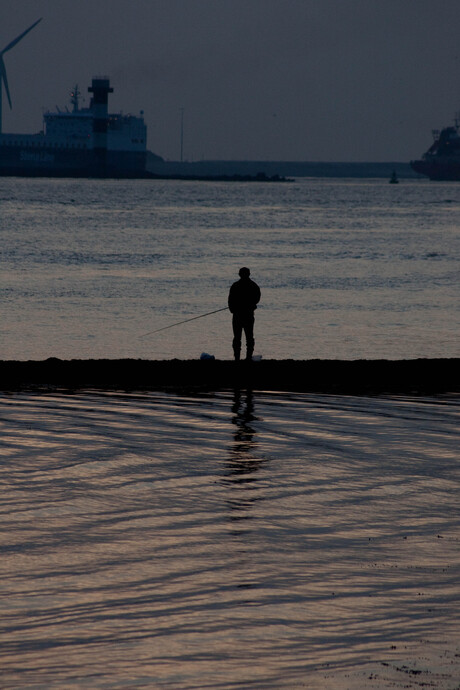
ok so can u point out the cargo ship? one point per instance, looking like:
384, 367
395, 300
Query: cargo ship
442, 160
80, 142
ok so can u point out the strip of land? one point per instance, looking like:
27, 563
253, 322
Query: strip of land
355, 377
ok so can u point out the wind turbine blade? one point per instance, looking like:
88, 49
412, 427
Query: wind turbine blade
5, 80
18, 38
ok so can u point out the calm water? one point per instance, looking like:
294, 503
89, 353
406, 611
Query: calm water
230, 541
347, 268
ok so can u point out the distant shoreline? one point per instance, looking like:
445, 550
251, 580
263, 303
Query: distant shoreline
354, 377
234, 169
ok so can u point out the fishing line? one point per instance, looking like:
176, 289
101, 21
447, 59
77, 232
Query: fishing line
181, 322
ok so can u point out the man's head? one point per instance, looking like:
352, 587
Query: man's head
244, 272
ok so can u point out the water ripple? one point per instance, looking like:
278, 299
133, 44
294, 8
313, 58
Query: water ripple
236, 540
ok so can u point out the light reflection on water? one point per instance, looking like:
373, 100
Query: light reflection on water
235, 540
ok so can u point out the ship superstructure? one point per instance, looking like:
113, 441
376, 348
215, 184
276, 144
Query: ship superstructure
80, 142
442, 160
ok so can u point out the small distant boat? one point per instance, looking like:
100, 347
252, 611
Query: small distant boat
394, 178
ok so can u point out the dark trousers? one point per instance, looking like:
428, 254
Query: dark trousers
243, 321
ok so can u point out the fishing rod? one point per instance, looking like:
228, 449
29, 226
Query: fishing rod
181, 322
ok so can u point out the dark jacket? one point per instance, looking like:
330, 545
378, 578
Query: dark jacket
244, 296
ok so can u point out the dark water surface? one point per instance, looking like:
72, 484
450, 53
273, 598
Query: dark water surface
237, 540
349, 269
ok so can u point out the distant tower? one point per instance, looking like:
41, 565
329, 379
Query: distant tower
100, 89
182, 134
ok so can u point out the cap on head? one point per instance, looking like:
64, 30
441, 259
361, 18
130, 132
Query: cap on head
244, 272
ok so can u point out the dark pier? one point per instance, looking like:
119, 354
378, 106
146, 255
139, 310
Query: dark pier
358, 377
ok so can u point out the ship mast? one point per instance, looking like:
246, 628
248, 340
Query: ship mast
74, 96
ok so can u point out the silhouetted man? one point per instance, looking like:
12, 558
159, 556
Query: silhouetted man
243, 298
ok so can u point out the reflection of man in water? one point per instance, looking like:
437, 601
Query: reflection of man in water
243, 298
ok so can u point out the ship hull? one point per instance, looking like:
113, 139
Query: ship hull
21, 161
438, 169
